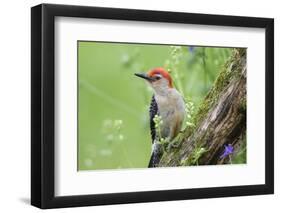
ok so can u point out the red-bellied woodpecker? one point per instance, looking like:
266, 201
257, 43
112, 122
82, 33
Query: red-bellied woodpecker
167, 103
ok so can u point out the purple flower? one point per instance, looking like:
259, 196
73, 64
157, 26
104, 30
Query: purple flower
228, 149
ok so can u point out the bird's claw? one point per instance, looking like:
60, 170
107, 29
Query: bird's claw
175, 143
172, 146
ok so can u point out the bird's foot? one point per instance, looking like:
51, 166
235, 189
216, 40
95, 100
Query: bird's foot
172, 146
175, 143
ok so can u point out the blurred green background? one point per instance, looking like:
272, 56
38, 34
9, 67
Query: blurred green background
113, 130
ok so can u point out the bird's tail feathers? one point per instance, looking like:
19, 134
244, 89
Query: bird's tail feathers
155, 156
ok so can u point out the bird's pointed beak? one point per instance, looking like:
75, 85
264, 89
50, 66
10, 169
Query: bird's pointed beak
144, 76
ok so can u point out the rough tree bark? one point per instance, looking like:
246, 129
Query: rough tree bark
220, 119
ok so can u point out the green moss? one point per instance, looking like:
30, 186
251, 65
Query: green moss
230, 70
243, 105
240, 157
185, 162
193, 158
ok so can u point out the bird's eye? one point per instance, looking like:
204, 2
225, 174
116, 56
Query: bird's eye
157, 77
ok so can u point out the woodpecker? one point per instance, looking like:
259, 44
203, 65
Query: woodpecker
166, 102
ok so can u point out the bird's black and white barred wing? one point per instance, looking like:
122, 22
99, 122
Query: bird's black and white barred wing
153, 110
156, 154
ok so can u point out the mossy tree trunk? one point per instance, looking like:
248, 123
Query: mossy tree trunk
219, 121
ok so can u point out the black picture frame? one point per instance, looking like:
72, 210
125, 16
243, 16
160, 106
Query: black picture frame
43, 102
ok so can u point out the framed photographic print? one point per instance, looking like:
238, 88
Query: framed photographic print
139, 106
